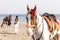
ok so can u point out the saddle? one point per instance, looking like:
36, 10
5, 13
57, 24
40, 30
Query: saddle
50, 22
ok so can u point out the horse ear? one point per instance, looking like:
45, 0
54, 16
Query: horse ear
27, 8
35, 7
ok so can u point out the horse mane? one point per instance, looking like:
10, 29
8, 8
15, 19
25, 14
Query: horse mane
50, 15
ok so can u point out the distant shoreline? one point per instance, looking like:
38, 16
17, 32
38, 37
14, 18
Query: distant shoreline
21, 16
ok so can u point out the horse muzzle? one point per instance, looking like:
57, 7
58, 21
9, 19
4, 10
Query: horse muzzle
30, 29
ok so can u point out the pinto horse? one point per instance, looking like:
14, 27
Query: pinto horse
37, 27
7, 20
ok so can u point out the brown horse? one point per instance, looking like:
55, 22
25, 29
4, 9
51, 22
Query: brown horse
7, 20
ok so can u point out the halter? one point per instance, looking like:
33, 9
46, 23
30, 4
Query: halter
33, 12
31, 26
29, 16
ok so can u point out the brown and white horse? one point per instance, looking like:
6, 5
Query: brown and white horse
37, 26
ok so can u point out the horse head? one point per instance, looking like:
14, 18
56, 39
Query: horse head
31, 18
36, 24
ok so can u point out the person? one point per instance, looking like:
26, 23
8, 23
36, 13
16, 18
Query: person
16, 24
16, 19
7, 20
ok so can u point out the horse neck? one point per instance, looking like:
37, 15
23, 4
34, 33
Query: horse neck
39, 18
43, 27
41, 21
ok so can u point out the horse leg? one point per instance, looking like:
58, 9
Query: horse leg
56, 37
2, 24
33, 37
58, 34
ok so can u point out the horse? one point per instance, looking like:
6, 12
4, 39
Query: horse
37, 27
7, 20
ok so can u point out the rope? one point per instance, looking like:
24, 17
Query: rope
42, 30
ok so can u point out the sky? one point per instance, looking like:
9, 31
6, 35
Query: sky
20, 6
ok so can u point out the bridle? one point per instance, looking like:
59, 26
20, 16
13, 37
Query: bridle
33, 11
38, 28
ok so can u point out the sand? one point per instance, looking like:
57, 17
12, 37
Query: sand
9, 33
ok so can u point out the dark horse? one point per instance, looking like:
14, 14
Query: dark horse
7, 20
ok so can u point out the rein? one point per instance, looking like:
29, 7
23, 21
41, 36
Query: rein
42, 30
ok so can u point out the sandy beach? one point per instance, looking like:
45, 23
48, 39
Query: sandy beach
9, 33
